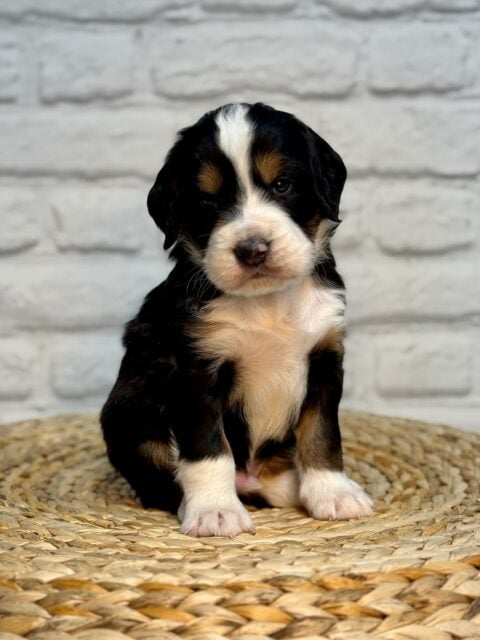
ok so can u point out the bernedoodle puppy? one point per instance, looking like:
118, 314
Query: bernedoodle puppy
232, 375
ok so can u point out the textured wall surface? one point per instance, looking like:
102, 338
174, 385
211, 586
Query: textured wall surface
91, 94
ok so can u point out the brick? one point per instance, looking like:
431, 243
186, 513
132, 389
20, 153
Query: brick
391, 138
248, 5
86, 10
350, 380
17, 358
423, 364
432, 139
110, 219
84, 294
473, 32
458, 5
85, 66
19, 228
358, 364
372, 8
294, 58
408, 217
106, 143
10, 69
417, 57
353, 212
84, 366
384, 290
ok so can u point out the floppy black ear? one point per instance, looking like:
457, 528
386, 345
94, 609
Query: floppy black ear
329, 174
162, 201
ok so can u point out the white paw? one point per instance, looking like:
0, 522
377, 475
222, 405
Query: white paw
216, 521
331, 495
210, 506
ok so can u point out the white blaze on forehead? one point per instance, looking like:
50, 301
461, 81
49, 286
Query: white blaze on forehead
235, 135
291, 255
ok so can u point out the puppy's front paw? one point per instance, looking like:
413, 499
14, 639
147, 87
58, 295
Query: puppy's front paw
217, 521
331, 495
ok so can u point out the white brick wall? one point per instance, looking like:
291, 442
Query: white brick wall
91, 94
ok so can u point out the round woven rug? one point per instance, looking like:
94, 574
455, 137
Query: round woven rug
79, 557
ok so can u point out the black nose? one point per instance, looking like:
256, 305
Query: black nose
252, 251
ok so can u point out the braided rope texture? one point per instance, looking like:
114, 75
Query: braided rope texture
79, 558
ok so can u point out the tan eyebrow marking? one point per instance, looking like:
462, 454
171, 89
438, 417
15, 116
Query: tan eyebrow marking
209, 178
269, 165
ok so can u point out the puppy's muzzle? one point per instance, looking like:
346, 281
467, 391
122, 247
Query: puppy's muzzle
252, 251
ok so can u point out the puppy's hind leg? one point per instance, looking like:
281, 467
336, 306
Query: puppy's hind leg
281, 490
153, 482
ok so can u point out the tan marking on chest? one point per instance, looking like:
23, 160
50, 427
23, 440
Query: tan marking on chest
269, 339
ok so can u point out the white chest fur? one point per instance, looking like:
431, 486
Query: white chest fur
269, 338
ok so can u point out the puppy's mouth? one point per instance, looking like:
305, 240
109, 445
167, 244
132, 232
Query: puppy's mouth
258, 280
256, 266
258, 272
266, 270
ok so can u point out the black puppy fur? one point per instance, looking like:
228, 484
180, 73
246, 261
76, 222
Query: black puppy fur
173, 403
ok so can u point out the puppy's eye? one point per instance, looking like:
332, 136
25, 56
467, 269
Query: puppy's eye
208, 201
282, 185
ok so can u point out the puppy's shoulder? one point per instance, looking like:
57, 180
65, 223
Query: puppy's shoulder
165, 313
158, 319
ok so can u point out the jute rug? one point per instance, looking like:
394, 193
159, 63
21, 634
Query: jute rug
79, 558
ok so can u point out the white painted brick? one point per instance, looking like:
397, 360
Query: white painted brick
249, 5
463, 417
350, 380
358, 363
18, 223
10, 71
294, 58
453, 7
389, 138
101, 219
382, 290
411, 217
13, 411
354, 212
442, 139
86, 293
473, 62
82, 66
17, 358
372, 8
423, 365
105, 143
83, 366
107, 10
417, 57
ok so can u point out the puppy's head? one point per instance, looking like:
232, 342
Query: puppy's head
252, 194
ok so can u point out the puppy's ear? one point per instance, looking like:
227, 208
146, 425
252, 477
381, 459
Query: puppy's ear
329, 173
162, 201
